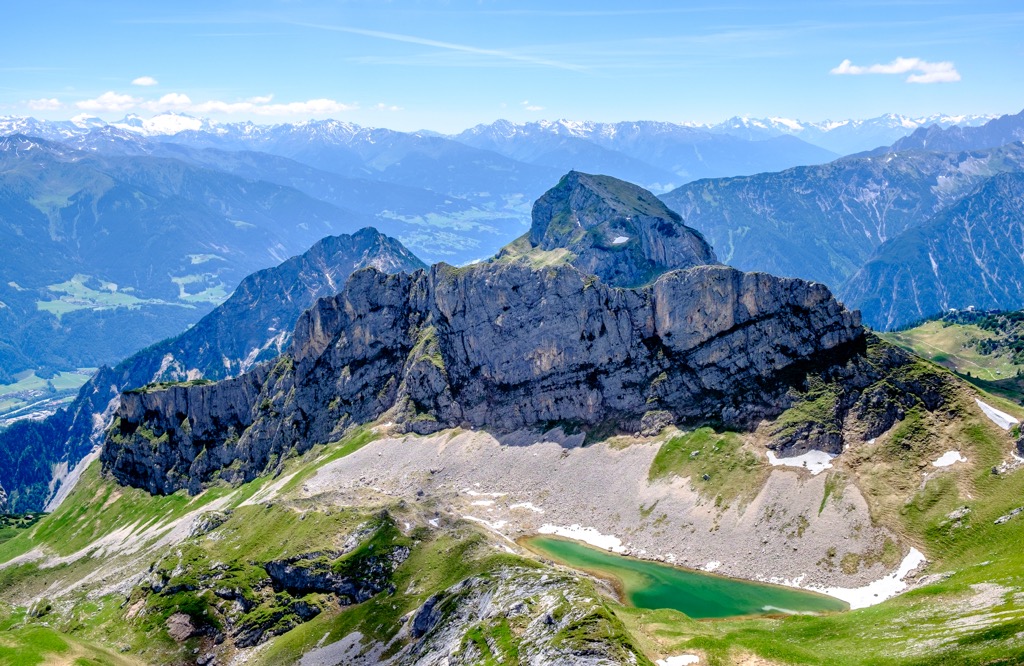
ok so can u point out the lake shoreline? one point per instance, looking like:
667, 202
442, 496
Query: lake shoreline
626, 597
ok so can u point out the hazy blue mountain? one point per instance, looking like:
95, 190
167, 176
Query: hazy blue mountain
971, 253
436, 163
824, 222
657, 155
254, 324
107, 254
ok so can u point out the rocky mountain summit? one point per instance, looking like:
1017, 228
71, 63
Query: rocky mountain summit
612, 229
504, 345
255, 323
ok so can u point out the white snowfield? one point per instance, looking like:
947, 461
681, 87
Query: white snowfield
1001, 419
586, 535
679, 660
948, 458
619, 240
884, 588
815, 462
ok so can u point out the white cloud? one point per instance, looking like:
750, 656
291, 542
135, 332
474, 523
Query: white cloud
313, 107
169, 102
44, 104
530, 107
109, 101
145, 81
920, 71
381, 106
180, 102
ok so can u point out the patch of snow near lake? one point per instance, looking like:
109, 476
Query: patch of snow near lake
527, 505
880, 590
948, 458
679, 660
586, 535
815, 462
1001, 419
711, 566
619, 240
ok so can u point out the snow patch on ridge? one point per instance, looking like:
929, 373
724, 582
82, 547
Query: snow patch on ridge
815, 462
1001, 419
948, 458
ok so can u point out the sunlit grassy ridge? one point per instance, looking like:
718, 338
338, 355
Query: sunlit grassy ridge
984, 357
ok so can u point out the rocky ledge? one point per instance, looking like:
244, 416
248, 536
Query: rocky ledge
502, 346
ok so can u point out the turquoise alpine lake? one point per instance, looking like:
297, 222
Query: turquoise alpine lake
699, 595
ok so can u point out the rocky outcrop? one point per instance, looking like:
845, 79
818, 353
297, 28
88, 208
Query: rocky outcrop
3, 500
614, 230
859, 400
353, 580
200, 428
497, 345
554, 619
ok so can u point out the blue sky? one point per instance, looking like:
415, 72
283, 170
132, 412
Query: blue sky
450, 65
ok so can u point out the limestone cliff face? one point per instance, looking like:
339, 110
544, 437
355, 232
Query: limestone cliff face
498, 345
160, 436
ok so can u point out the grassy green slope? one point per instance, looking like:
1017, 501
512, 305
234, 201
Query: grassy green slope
984, 354
104, 533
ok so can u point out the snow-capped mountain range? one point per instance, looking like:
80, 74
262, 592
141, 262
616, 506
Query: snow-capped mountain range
838, 136
841, 136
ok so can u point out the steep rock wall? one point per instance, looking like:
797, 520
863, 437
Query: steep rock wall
501, 346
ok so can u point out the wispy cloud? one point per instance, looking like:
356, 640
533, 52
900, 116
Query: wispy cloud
449, 46
920, 71
145, 81
180, 102
50, 104
381, 106
530, 107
